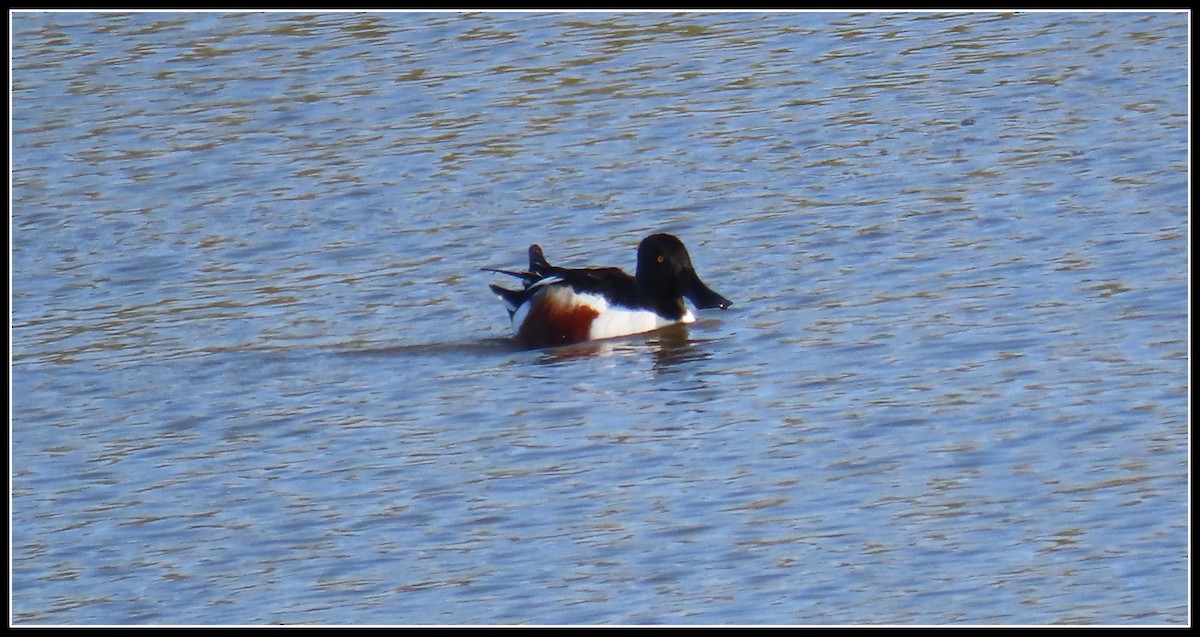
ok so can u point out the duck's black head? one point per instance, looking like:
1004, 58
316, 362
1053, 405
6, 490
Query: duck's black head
665, 273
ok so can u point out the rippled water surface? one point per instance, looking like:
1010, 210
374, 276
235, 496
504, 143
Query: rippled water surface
258, 377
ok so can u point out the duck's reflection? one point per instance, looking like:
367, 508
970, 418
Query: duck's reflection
669, 346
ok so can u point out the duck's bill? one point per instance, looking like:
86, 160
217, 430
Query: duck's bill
703, 297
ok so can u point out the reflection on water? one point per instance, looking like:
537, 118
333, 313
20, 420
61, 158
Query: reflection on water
669, 346
257, 376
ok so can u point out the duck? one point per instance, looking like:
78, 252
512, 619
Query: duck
563, 306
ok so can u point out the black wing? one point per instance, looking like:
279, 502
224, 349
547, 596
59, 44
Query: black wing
612, 283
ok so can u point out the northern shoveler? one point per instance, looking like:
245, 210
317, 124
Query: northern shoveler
561, 306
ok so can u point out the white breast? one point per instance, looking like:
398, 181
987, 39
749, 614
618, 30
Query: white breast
618, 321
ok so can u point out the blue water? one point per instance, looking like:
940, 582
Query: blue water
258, 377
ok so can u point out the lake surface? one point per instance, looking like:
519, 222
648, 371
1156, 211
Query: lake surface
258, 376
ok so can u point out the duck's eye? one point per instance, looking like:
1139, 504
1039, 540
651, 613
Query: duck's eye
661, 259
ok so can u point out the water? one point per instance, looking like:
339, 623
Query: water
257, 375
